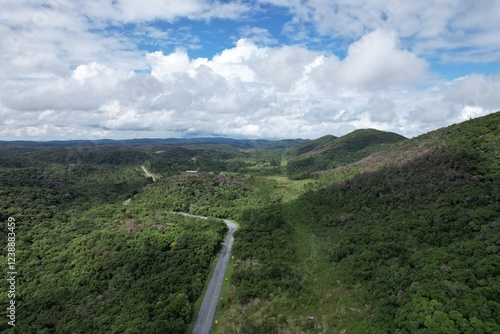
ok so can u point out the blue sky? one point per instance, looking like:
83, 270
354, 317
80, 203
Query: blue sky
244, 69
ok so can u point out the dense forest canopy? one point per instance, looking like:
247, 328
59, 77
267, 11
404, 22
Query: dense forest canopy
381, 234
89, 263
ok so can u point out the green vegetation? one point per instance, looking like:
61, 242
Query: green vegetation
91, 264
108, 280
392, 236
425, 231
329, 152
404, 247
263, 268
88, 264
201, 194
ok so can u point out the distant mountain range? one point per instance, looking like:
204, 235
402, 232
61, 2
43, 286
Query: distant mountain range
243, 143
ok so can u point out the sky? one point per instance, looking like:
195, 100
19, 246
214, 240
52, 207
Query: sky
269, 69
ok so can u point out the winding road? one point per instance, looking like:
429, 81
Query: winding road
148, 173
206, 314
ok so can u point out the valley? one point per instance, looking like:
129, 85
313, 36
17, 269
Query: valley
370, 232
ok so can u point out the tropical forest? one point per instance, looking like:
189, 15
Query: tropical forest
369, 232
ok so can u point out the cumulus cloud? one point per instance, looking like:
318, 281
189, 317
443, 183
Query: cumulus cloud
382, 109
377, 59
476, 90
165, 65
67, 74
84, 89
249, 90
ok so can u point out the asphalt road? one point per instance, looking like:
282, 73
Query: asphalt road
206, 315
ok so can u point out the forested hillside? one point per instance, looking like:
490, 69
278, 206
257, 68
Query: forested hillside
410, 246
88, 264
97, 247
390, 236
329, 152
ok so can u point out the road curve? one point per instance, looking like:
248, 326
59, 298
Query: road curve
206, 314
148, 173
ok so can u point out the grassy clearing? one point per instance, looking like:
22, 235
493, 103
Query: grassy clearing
289, 189
335, 306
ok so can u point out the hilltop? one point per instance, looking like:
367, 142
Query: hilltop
329, 152
389, 235
406, 240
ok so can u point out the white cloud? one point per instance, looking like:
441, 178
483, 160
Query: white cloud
258, 35
169, 10
469, 112
162, 66
476, 90
382, 110
66, 74
377, 60
86, 88
247, 90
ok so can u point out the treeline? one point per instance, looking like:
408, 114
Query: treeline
166, 160
42, 190
75, 154
170, 161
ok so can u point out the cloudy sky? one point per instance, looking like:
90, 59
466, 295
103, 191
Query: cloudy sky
74, 69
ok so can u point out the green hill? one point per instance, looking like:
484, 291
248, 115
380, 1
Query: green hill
402, 236
329, 152
407, 246
311, 145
